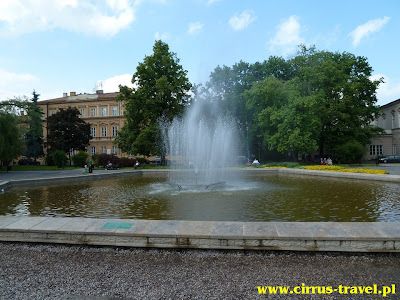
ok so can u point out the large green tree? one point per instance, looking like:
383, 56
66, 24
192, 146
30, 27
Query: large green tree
327, 105
228, 85
160, 93
34, 134
67, 132
11, 144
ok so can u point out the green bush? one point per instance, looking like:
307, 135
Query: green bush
103, 159
59, 158
349, 152
80, 159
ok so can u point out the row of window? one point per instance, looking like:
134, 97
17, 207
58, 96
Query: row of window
103, 131
375, 150
92, 111
103, 111
105, 150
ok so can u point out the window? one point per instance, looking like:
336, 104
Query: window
52, 112
103, 111
114, 111
393, 119
93, 150
375, 150
93, 131
103, 149
114, 150
114, 130
103, 131
93, 111
82, 111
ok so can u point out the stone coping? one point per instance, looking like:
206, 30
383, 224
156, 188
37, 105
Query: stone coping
294, 236
287, 171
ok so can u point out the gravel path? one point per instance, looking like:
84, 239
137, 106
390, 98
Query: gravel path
32, 271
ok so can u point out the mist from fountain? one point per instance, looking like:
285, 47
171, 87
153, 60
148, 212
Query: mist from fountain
202, 145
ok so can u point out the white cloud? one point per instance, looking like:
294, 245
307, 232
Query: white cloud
211, 2
162, 36
101, 18
242, 20
366, 29
387, 91
287, 37
194, 28
16, 84
111, 84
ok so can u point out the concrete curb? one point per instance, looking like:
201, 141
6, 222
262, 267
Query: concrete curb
293, 236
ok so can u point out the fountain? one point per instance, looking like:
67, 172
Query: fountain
202, 146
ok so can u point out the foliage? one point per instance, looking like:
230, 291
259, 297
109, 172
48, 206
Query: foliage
345, 169
351, 151
160, 93
11, 144
67, 131
59, 158
27, 162
103, 159
122, 162
34, 135
312, 102
79, 159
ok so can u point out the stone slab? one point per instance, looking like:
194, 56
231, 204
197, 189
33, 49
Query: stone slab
25, 223
294, 236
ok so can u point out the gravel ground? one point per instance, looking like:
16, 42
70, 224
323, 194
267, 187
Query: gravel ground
33, 271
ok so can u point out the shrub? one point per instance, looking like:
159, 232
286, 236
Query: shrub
103, 159
349, 152
126, 162
28, 162
80, 158
58, 158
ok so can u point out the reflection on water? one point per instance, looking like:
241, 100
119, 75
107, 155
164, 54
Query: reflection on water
267, 197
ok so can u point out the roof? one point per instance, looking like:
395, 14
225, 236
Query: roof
391, 103
80, 97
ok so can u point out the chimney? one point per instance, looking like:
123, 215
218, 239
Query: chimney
65, 94
99, 92
72, 93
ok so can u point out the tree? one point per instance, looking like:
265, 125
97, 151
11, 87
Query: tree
34, 135
346, 96
67, 132
327, 100
11, 144
160, 93
228, 84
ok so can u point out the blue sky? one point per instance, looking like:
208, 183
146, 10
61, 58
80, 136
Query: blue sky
57, 46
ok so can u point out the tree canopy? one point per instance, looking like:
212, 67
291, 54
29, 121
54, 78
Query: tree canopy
317, 101
160, 93
67, 132
34, 135
11, 144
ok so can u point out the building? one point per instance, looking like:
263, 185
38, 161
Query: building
101, 110
389, 142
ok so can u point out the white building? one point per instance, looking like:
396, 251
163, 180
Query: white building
389, 142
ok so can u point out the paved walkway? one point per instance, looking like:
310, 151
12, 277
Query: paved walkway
30, 271
21, 175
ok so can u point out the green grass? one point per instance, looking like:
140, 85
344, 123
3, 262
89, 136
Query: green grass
39, 168
282, 164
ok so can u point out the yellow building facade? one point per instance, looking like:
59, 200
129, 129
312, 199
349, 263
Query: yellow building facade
101, 110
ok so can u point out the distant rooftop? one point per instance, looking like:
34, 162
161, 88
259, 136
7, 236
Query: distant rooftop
74, 97
390, 103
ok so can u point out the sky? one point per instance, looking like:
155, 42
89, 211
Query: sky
56, 46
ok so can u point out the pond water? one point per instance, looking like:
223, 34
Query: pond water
258, 197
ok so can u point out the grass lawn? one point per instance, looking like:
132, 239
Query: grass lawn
39, 168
